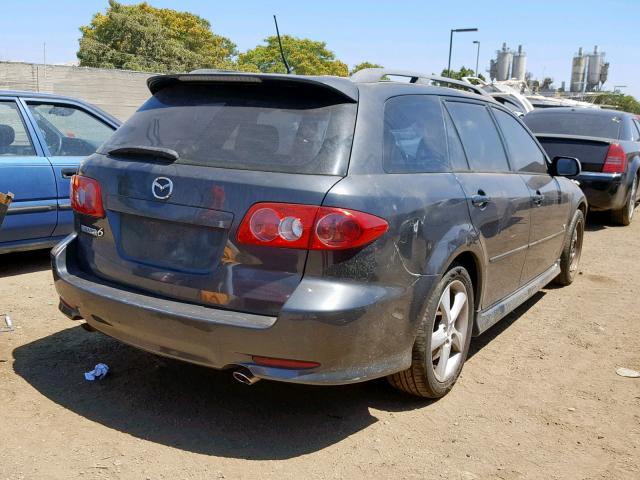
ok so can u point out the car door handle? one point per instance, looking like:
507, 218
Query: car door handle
68, 172
538, 198
480, 199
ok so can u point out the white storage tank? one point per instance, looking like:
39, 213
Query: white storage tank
519, 67
578, 70
503, 64
596, 61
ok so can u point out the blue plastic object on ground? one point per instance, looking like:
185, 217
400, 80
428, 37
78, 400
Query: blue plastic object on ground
99, 372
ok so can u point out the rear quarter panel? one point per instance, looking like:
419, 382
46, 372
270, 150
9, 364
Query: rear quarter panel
428, 227
428, 218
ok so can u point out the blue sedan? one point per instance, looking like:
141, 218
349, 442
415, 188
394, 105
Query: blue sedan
43, 139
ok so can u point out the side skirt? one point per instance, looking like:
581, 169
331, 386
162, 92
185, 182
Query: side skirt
31, 244
489, 317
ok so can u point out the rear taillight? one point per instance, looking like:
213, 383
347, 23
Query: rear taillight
616, 161
339, 228
86, 197
309, 227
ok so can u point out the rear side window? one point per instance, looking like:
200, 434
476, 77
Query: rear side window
14, 140
414, 135
636, 134
524, 154
479, 136
248, 127
457, 157
580, 122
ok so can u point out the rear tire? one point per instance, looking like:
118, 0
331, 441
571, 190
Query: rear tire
572, 251
624, 216
448, 322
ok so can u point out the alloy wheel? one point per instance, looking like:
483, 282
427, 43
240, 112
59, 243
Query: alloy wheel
632, 198
576, 247
450, 330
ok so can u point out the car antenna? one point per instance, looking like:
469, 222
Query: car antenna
284, 59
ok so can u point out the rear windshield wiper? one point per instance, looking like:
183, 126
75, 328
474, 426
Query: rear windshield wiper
141, 150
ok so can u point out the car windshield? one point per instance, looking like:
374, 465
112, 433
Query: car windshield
285, 129
586, 124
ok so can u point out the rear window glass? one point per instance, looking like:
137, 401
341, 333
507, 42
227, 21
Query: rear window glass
414, 135
575, 123
255, 127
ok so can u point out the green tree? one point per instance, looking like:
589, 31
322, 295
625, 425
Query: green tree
306, 57
141, 37
463, 72
626, 103
363, 65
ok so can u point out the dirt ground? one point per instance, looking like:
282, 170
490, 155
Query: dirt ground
539, 397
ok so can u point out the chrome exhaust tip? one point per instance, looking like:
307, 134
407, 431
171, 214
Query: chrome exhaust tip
245, 376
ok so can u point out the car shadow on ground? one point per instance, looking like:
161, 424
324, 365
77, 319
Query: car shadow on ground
203, 410
24, 262
599, 221
479, 342
198, 409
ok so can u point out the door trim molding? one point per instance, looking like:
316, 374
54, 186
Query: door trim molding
509, 253
549, 237
16, 210
532, 244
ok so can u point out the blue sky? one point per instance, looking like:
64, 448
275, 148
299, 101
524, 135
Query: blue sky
408, 34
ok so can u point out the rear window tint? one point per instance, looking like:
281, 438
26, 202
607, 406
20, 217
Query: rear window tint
457, 157
414, 135
14, 140
582, 123
257, 127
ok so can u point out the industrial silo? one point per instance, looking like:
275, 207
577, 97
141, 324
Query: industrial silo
578, 70
503, 63
604, 73
596, 60
519, 67
493, 69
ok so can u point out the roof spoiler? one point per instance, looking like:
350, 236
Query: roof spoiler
342, 87
373, 75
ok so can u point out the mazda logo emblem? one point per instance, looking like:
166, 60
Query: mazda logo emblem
162, 188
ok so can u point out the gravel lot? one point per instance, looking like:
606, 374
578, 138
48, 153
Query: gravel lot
539, 398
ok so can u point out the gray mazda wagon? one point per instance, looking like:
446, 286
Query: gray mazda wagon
318, 230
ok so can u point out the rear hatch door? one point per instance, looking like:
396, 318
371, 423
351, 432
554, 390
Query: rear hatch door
178, 177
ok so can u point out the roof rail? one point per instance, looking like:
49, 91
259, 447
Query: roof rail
373, 75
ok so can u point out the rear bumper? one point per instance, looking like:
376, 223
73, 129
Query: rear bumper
604, 191
355, 331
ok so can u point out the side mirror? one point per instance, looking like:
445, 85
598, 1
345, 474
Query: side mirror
566, 166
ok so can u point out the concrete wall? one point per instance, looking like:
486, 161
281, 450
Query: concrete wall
119, 92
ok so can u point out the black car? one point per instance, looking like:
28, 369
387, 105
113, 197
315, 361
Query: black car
607, 143
316, 229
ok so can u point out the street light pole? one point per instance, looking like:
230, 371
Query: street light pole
477, 56
451, 43
450, 47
